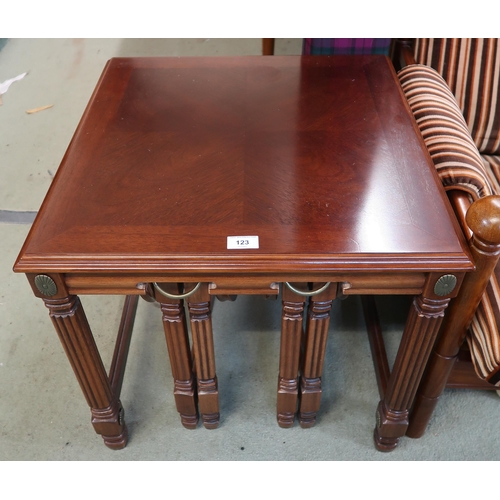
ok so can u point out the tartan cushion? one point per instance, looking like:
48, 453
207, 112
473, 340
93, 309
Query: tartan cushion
445, 133
349, 46
471, 67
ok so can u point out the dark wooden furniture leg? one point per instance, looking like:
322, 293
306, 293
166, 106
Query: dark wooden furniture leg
70, 322
199, 305
318, 321
179, 351
377, 346
268, 46
120, 354
483, 218
291, 335
424, 320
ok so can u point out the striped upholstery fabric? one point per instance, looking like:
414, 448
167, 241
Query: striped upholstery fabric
471, 67
460, 166
492, 165
483, 337
444, 130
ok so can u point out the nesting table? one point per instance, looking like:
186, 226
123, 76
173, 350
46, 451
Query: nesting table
189, 178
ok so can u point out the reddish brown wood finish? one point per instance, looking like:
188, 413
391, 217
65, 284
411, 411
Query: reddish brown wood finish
318, 156
419, 335
179, 350
291, 336
377, 345
119, 361
268, 46
199, 305
74, 332
175, 154
318, 321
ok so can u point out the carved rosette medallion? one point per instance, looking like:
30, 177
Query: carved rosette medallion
445, 285
45, 285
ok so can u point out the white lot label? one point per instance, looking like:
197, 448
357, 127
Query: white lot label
239, 242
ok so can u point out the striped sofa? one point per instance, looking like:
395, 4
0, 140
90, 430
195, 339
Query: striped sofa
452, 87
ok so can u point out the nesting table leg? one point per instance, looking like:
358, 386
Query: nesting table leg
199, 305
291, 335
179, 351
318, 321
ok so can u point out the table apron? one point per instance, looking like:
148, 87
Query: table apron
386, 283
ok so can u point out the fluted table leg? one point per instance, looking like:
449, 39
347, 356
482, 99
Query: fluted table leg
199, 305
422, 326
71, 324
179, 351
318, 321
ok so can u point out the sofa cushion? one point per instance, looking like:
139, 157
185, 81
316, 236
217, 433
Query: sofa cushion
471, 67
445, 133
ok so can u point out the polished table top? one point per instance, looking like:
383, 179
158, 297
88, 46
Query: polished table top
317, 156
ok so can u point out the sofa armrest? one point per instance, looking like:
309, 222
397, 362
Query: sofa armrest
444, 131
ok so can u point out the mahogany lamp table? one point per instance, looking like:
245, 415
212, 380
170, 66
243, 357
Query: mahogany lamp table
193, 177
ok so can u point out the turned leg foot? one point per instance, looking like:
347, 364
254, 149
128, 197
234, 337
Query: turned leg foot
117, 442
186, 402
390, 426
384, 444
287, 401
211, 420
208, 395
110, 424
310, 400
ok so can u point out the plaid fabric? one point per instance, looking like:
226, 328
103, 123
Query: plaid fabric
471, 67
460, 166
349, 46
